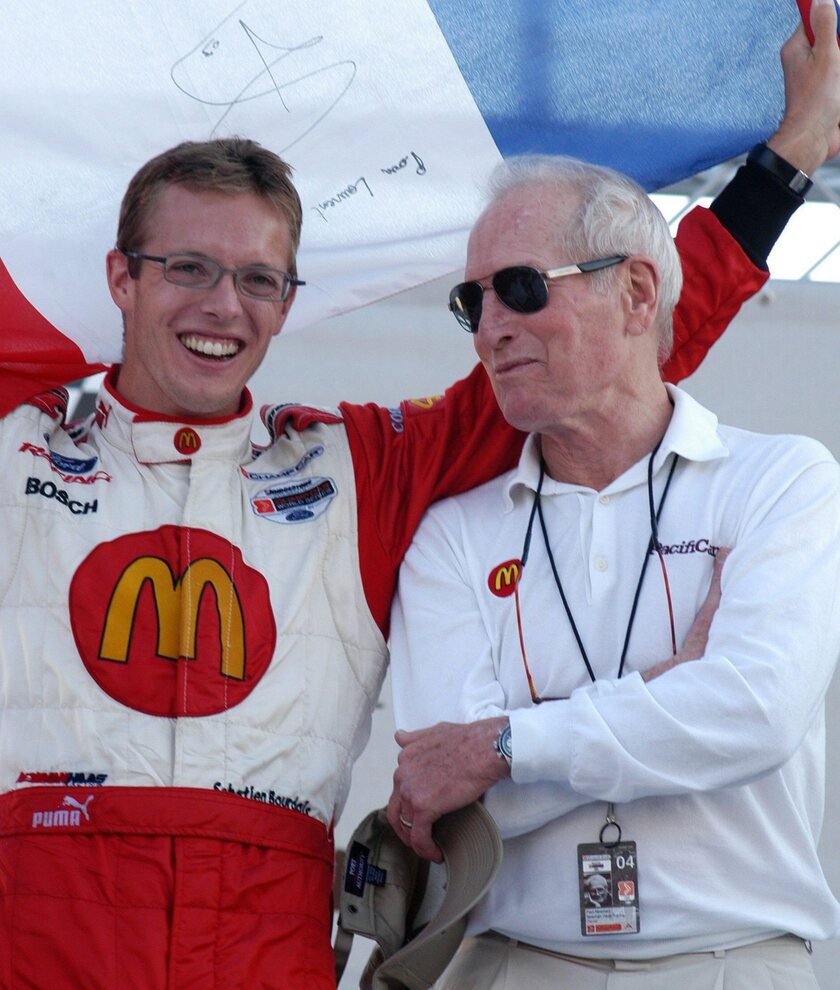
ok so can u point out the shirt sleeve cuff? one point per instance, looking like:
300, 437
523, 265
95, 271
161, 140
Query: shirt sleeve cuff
541, 740
755, 207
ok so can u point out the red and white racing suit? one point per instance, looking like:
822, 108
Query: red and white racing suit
192, 640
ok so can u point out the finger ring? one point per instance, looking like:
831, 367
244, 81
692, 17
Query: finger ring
404, 823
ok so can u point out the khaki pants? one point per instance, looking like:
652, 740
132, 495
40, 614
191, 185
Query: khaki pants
493, 962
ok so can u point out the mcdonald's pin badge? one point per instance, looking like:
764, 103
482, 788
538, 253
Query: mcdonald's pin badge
503, 578
187, 441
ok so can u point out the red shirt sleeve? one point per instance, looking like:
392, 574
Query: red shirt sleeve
718, 278
409, 456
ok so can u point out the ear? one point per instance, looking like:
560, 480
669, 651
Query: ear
120, 283
642, 287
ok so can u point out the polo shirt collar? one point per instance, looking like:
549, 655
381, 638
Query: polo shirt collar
692, 433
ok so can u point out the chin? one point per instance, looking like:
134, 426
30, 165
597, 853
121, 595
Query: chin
519, 411
208, 406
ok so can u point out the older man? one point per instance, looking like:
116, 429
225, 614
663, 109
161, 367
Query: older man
534, 610
532, 606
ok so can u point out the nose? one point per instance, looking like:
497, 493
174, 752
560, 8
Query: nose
223, 301
497, 323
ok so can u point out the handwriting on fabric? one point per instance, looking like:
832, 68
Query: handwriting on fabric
243, 60
237, 62
419, 168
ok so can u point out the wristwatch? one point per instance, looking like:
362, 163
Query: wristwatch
795, 179
502, 745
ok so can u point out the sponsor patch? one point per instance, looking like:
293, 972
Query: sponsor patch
503, 578
71, 470
310, 455
49, 490
296, 501
64, 778
397, 420
187, 441
70, 814
689, 546
426, 403
168, 633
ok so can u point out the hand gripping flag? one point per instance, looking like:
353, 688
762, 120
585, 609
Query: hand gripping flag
392, 113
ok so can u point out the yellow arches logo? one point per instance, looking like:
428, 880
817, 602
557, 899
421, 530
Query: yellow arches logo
427, 402
172, 621
177, 602
503, 579
187, 441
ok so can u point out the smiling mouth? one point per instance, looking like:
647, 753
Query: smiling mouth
219, 349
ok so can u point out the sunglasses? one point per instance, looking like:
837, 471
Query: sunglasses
521, 288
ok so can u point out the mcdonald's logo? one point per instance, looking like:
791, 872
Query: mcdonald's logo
503, 579
187, 441
427, 402
177, 602
172, 622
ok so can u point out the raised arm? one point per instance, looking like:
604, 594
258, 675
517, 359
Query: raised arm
809, 133
756, 205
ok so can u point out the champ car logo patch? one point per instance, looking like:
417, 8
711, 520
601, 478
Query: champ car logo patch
310, 455
295, 501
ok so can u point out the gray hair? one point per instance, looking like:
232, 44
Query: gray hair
615, 216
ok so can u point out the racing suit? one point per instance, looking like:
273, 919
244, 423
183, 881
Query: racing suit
192, 640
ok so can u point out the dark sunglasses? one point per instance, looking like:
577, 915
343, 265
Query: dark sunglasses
521, 288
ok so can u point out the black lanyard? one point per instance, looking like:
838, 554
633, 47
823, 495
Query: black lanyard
653, 544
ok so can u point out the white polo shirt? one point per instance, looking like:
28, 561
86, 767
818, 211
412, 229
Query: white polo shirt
716, 768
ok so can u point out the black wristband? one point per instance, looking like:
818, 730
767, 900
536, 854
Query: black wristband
795, 179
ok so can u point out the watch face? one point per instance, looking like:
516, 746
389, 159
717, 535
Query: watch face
504, 744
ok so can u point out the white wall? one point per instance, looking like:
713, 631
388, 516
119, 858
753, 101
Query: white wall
774, 371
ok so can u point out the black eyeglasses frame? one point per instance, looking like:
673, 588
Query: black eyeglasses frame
461, 311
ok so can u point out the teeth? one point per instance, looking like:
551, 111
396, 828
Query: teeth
210, 348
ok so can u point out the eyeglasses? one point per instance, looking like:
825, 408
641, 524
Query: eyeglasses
521, 288
193, 271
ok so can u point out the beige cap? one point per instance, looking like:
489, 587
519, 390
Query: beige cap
414, 910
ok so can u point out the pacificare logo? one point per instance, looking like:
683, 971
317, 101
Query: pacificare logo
689, 546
